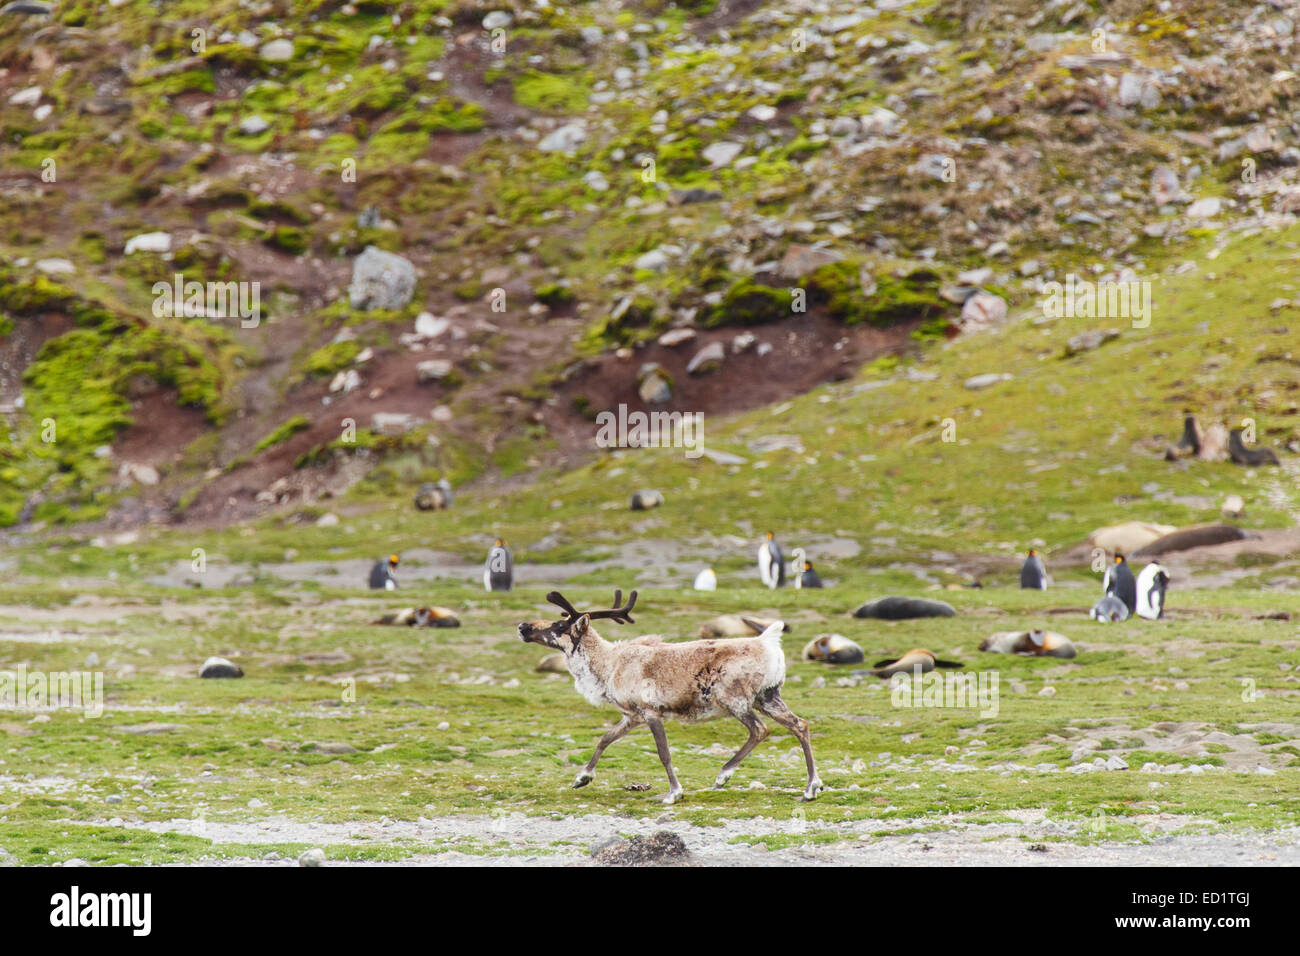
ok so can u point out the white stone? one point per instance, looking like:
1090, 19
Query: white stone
149, 242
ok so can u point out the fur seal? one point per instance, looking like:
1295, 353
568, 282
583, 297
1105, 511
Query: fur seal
1033, 575
1035, 643
383, 576
420, 617
737, 625
1189, 444
1197, 536
434, 496
1242, 455
552, 664
833, 649
1109, 609
645, 500
1128, 537
916, 659
1152, 583
219, 667
895, 608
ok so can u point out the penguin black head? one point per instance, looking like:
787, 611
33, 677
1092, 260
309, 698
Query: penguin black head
807, 565
499, 543
1032, 551
1119, 559
768, 535
393, 560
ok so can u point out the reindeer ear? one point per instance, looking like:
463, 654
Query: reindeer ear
580, 626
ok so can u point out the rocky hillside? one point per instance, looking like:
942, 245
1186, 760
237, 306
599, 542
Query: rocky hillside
472, 226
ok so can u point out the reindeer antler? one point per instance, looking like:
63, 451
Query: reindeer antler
620, 613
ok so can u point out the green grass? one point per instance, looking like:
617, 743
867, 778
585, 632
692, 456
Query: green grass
513, 739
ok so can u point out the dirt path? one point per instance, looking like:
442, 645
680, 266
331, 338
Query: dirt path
545, 841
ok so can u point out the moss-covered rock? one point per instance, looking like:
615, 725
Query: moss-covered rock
750, 303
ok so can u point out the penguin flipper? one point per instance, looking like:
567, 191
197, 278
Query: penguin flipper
939, 663
885, 663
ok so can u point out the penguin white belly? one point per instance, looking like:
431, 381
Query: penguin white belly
765, 571
390, 585
487, 579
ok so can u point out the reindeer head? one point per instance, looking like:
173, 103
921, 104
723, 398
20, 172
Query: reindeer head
567, 633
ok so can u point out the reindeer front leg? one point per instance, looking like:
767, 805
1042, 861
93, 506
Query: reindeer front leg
588, 772
666, 758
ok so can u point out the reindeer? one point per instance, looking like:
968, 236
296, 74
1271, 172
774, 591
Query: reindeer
650, 681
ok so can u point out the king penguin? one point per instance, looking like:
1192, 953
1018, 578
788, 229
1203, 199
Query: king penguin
1119, 582
499, 571
706, 580
1033, 575
382, 576
771, 562
804, 575
1151, 586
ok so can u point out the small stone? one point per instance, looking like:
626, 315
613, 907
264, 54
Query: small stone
433, 370
381, 280
149, 242
277, 51
1206, 208
985, 381
497, 19
707, 359
721, 154
656, 260
676, 337
253, 125
565, 139
313, 857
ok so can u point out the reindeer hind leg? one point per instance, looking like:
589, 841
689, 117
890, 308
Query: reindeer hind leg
757, 734
770, 703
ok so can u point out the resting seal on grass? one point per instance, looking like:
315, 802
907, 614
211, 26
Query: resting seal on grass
904, 608
1036, 643
1198, 536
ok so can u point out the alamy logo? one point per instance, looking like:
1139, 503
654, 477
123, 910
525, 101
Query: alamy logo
38, 691
937, 690
211, 300
1108, 299
651, 430
133, 910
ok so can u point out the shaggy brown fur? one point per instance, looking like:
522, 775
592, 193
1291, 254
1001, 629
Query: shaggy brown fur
650, 681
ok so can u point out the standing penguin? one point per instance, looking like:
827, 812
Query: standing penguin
1119, 582
499, 571
1033, 575
804, 575
1151, 586
706, 580
383, 576
771, 562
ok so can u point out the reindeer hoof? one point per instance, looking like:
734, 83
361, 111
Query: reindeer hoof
814, 785
723, 777
584, 778
673, 797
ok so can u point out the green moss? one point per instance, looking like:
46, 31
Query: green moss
332, 358
283, 433
749, 303
291, 239
550, 93
554, 294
